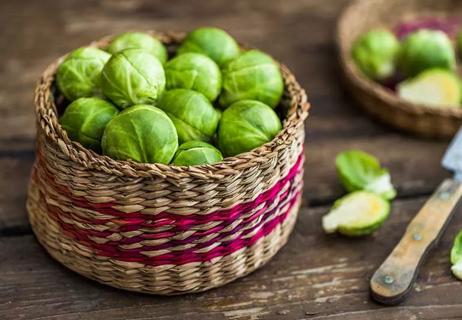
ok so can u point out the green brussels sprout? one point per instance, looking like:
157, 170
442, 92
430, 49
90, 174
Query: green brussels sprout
193, 153
359, 170
139, 40
253, 75
426, 49
80, 73
196, 72
246, 125
456, 256
433, 87
375, 53
142, 133
85, 120
215, 43
357, 214
133, 76
194, 116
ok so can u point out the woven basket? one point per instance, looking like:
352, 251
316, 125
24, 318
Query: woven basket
380, 102
164, 229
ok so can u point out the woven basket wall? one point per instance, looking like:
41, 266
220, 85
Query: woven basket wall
163, 229
363, 15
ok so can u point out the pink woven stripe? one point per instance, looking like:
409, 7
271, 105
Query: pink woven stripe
285, 193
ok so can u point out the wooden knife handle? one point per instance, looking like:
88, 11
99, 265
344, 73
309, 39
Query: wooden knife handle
394, 279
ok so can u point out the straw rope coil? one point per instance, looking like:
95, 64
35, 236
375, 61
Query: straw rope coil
157, 228
364, 15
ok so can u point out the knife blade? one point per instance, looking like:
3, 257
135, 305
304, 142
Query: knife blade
394, 279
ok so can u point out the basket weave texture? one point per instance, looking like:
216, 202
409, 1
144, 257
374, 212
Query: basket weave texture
363, 15
164, 229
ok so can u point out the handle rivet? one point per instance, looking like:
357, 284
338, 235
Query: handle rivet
417, 236
388, 280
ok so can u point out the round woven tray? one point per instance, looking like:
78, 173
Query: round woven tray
164, 229
380, 102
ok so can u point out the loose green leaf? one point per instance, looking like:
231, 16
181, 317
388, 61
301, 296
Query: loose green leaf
142, 133
361, 171
196, 153
357, 214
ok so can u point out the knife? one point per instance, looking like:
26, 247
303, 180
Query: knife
394, 279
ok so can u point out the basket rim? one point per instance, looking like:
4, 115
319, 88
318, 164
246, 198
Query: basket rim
47, 122
359, 80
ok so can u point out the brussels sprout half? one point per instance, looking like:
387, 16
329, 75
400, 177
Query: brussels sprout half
246, 125
253, 75
359, 170
357, 214
80, 73
375, 53
142, 133
215, 43
133, 76
194, 116
456, 256
426, 49
85, 120
196, 153
434, 87
196, 72
139, 40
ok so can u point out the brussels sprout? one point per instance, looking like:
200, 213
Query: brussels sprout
79, 74
426, 49
253, 75
133, 76
193, 153
359, 170
193, 115
456, 256
215, 43
434, 87
246, 125
375, 53
85, 120
142, 133
196, 72
139, 40
357, 214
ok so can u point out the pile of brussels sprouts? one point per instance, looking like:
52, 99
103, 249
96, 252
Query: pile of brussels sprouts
129, 101
418, 61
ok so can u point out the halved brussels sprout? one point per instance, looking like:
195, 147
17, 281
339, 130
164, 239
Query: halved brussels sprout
196, 72
253, 75
133, 76
85, 120
434, 87
80, 73
375, 53
359, 170
142, 133
194, 116
195, 153
246, 125
139, 40
456, 256
357, 214
426, 49
215, 43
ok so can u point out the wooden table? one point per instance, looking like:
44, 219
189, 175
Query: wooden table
315, 276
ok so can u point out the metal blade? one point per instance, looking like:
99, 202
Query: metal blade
453, 158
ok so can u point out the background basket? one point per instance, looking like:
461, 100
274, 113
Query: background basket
163, 229
380, 102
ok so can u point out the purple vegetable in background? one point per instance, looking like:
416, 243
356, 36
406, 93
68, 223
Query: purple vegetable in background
448, 25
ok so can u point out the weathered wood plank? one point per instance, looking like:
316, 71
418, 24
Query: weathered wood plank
315, 276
